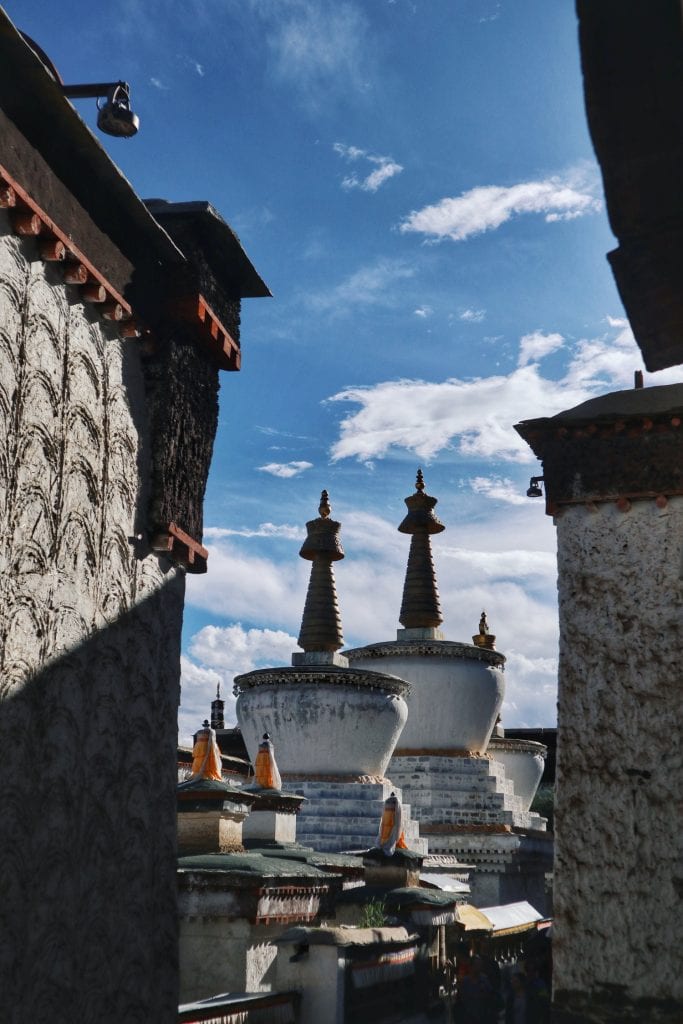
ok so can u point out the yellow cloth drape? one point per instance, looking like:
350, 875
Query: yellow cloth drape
265, 768
206, 757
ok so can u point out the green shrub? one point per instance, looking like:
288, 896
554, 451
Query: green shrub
373, 915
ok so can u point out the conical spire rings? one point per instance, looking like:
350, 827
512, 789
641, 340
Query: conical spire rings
321, 628
420, 608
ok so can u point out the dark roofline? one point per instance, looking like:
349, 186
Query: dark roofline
220, 243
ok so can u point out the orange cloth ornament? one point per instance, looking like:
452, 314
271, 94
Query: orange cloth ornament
391, 836
206, 757
265, 769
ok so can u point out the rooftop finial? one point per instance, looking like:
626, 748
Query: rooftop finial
391, 836
217, 710
321, 628
265, 768
206, 757
420, 608
483, 638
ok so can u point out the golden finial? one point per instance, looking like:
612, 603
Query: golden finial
324, 508
419, 483
483, 638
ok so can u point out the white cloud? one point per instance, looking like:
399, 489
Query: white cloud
499, 489
473, 316
234, 649
285, 469
372, 285
385, 168
218, 654
423, 311
510, 564
348, 152
197, 690
319, 47
476, 416
242, 586
486, 207
530, 691
262, 530
534, 346
158, 84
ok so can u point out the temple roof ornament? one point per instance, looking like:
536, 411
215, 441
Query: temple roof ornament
265, 768
420, 608
321, 628
483, 638
206, 757
217, 710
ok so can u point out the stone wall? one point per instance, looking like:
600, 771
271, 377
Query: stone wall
89, 661
618, 880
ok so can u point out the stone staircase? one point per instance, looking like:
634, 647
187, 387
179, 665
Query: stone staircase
341, 816
461, 791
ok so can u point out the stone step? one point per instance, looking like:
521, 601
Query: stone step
486, 801
455, 783
338, 844
446, 816
344, 790
437, 764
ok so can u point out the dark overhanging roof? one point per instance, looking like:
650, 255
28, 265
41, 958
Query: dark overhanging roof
219, 243
632, 62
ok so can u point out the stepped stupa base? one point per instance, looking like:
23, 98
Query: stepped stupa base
341, 815
461, 789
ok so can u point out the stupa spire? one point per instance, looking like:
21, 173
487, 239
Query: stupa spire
321, 628
420, 608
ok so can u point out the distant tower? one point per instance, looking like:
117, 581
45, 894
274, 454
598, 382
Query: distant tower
217, 709
321, 628
420, 608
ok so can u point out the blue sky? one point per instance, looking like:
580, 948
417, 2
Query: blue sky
416, 184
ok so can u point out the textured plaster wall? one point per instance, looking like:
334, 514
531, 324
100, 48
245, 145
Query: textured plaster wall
619, 879
89, 669
219, 954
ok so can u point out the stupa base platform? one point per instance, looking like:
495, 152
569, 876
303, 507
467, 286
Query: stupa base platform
340, 816
461, 790
510, 865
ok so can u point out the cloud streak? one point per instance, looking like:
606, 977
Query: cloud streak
385, 168
318, 47
487, 207
476, 416
285, 470
372, 285
262, 530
